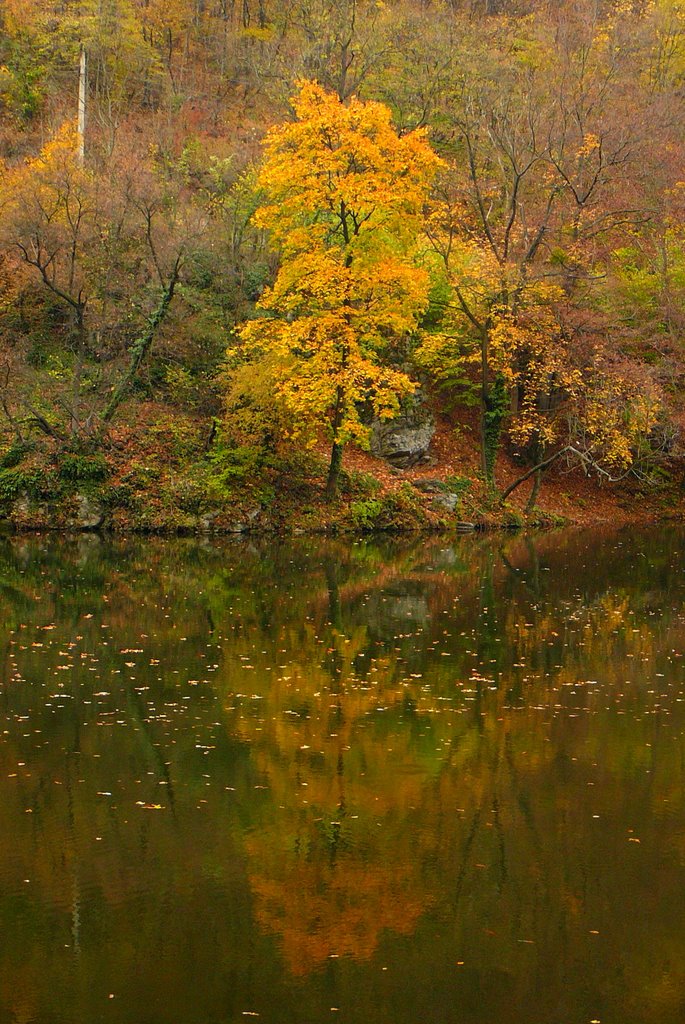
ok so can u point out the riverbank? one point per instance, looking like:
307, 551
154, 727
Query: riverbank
157, 473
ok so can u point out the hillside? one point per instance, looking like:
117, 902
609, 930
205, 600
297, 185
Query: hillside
241, 243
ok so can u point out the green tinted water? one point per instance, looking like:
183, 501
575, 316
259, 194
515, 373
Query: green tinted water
413, 782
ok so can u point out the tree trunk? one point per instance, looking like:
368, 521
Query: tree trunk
334, 470
81, 348
140, 348
337, 449
536, 470
537, 482
82, 98
75, 408
484, 399
494, 408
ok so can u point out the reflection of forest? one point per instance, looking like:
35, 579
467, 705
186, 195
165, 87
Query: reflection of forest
413, 753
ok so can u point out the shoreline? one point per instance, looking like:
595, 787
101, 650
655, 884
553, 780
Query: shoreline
459, 528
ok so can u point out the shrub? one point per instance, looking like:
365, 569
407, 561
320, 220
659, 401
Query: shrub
458, 484
188, 492
238, 470
399, 510
14, 455
179, 439
359, 483
80, 468
235, 464
32, 482
366, 514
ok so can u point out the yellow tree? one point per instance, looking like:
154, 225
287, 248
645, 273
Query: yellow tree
343, 197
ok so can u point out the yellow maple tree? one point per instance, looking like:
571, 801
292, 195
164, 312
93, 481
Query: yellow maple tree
343, 195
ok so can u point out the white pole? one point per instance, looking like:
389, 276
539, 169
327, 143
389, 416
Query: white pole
82, 84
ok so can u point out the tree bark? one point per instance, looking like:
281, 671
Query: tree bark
537, 483
334, 470
484, 402
141, 347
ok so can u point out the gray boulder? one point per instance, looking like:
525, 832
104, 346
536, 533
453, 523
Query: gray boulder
404, 441
428, 485
244, 526
447, 501
88, 514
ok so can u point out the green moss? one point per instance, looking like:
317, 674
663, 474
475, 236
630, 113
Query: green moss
496, 409
458, 484
513, 519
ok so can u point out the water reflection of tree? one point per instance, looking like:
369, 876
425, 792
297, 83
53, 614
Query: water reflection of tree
484, 817
332, 864
467, 802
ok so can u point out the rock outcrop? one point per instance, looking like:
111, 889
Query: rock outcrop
404, 441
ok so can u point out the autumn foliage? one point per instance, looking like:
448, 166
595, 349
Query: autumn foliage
343, 198
294, 228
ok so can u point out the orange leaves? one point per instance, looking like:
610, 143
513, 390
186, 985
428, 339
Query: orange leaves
617, 415
378, 295
591, 144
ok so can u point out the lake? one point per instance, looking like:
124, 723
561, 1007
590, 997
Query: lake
390, 781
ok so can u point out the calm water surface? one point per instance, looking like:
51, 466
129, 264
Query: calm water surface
396, 782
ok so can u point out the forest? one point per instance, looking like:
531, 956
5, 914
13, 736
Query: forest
340, 263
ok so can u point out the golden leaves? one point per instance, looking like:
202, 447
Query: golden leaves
591, 144
345, 170
343, 196
50, 182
